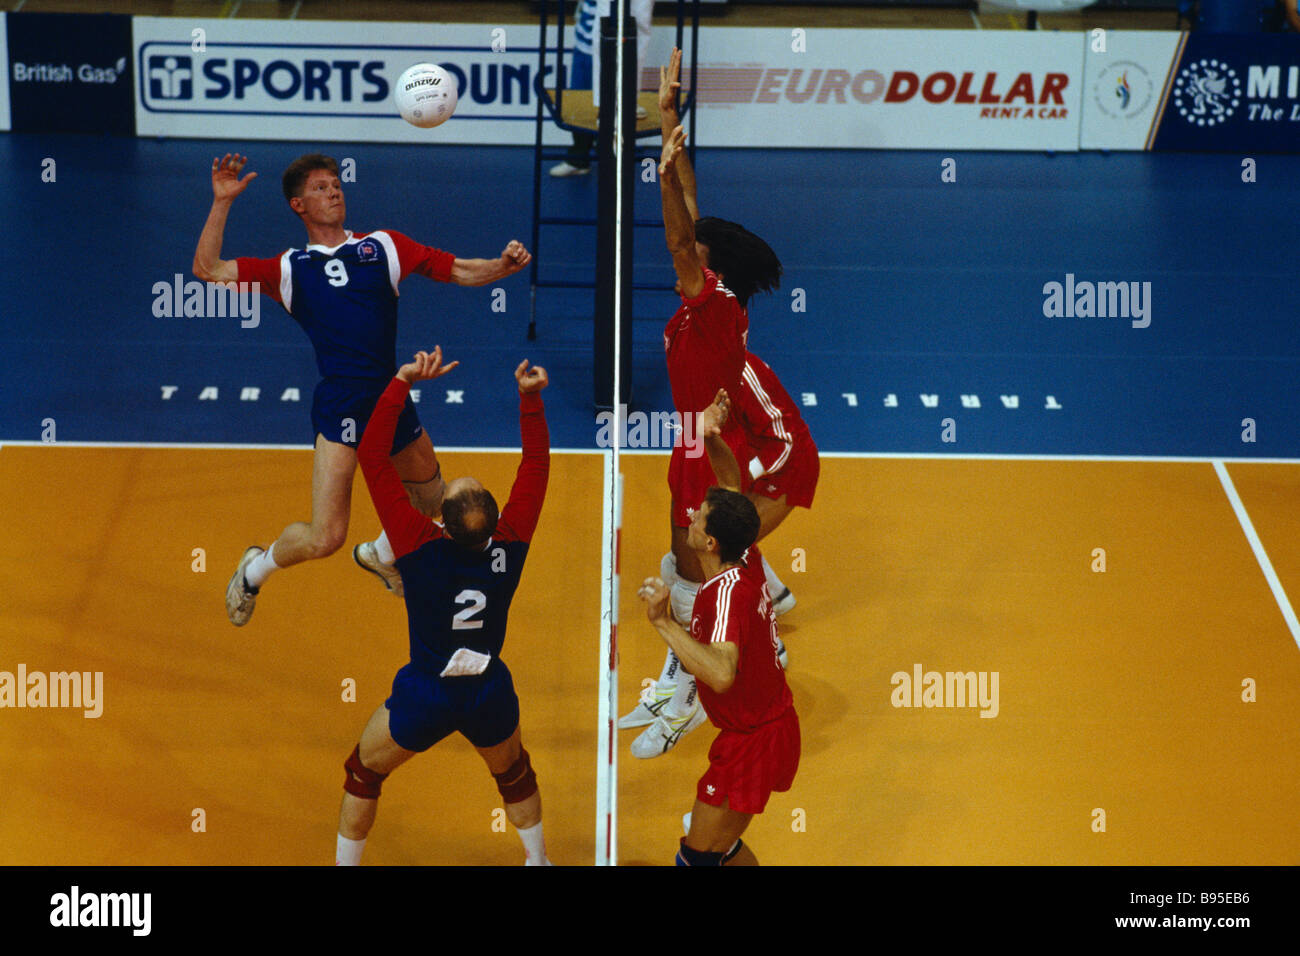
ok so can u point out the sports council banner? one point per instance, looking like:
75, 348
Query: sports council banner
329, 81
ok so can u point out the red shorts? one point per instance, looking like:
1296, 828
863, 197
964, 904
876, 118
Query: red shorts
797, 478
745, 769
690, 479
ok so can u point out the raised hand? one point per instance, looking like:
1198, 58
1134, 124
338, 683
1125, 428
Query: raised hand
226, 184
673, 144
669, 84
655, 594
425, 366
711, 420
530, 379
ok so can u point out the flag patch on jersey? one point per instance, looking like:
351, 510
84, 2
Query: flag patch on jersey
367, 251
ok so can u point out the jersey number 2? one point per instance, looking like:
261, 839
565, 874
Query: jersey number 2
337, 274
477, 601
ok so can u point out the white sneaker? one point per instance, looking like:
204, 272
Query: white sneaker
781, 655
662, 735
784, 603
563, 169
240, 595
643, 714
367, 557
640, 112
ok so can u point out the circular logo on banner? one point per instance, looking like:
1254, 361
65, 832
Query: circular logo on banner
1207, 92
1123, 89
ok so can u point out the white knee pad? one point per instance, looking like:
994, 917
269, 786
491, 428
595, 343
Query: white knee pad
683, 600
668, 569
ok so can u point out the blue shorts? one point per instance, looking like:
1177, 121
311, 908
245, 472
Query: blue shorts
341, 406
424, 708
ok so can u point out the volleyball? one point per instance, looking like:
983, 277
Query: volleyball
425, 95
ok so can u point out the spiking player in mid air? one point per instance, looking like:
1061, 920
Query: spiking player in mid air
342, 289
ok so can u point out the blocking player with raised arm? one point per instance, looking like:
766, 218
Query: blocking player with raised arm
342, 289
459, 578
732, 650
719, 265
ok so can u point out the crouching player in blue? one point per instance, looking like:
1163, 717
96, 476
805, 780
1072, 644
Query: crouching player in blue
459, 578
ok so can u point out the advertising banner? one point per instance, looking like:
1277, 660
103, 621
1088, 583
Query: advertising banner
70, 73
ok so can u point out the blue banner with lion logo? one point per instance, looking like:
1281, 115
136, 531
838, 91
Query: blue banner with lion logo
1233, 92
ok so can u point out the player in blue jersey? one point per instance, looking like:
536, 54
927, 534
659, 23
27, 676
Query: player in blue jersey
459, 578
342, 289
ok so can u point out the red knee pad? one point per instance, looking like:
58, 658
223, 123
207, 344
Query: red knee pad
361, 781
519, 782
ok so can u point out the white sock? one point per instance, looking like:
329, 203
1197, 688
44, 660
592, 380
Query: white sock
260, 568
683, 601
534, 845
384, 549
774, 586
669, 676
683, 702
348, 852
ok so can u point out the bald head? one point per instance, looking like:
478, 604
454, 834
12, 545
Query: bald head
469, 513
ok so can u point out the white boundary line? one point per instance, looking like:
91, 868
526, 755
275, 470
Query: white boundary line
483, 449
1283, 603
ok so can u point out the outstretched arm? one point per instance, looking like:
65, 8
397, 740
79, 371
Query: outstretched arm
709, 423
482, 271
226, 185
524, 508
679, 227
715, 663
407, 528
669, 85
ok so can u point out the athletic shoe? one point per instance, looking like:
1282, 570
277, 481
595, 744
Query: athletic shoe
784, 603
643, 714
560, 170
240, 595
662, 736
781, 655
640, 112
367, 557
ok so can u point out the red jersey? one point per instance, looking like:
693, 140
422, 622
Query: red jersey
734, 606
705, 341
770, 418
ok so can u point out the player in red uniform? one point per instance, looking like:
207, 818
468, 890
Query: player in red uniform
342, 289
459, 580
732, 650
783, 464
719, 266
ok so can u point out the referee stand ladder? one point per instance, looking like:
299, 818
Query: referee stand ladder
573, 111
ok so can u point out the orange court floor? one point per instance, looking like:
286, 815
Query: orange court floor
1121, 735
